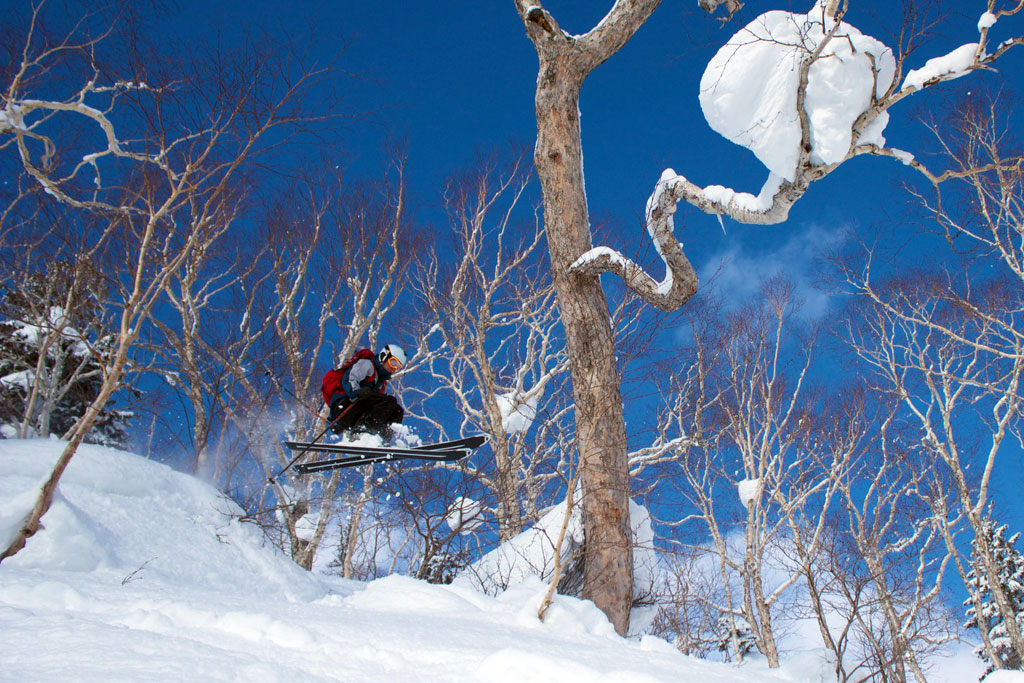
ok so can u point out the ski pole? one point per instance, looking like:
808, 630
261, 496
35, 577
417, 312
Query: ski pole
291, 393
310, 445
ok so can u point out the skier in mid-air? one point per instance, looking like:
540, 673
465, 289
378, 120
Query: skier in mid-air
356, 396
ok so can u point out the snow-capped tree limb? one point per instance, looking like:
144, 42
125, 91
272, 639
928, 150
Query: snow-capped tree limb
656, 453
680, 281
807, 47
772, 204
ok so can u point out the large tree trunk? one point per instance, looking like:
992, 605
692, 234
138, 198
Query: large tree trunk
601, 432
565, 61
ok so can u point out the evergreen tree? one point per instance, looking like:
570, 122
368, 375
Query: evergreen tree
1010, 569
736, 637
52, 355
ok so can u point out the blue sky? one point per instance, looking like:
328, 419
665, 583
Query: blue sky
455, 79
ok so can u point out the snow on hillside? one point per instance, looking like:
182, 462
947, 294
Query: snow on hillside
532, 553
143, 573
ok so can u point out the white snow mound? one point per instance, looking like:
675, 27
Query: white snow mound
517, 412
748, 490
749, 90
143, 573
530, 555
465, 515
115, 513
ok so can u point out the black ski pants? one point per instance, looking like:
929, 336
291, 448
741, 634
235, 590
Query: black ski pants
369, 413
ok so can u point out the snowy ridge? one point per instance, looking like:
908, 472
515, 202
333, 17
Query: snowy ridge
143, 573
115, 512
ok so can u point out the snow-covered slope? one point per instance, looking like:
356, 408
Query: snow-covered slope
143, 573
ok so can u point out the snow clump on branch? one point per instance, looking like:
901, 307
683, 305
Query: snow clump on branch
464, 515
749, 490
517, 412
749, 91
953, 65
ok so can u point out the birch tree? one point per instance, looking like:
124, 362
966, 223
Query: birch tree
334, 274
53, 348
883, 566
499, 349
939, 383
800, 43
156, 183
946, 344
198, 295
750, 415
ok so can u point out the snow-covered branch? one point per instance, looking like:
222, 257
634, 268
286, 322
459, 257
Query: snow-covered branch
680, 280
806, 93
665, 451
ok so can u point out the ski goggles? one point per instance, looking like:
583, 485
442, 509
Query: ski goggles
392, 364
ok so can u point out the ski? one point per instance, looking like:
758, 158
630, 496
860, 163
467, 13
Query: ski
383, 455
469, 443
445, 451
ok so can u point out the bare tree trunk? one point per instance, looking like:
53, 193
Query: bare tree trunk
509, 514
559, 565
755, 603
600, 427
352, 540
565, 61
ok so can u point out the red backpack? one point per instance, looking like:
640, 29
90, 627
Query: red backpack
332, 380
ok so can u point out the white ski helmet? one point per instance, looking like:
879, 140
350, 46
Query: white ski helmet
392, 358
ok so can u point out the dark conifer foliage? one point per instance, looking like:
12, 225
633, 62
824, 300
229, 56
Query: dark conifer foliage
52, 355
985, 615
736, 637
